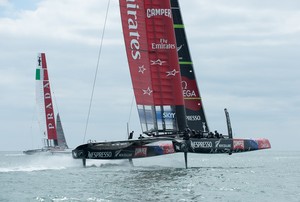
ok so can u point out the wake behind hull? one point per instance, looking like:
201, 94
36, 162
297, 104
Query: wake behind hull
35, 151
47, 151
156, 147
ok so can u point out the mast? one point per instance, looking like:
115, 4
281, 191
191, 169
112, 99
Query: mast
44, 99
153, 62
195, 115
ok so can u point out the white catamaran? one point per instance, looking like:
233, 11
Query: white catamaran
53, 135
167, 96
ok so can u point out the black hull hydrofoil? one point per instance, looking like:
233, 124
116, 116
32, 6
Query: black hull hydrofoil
149, 147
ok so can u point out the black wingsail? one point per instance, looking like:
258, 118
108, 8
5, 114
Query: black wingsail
195, 115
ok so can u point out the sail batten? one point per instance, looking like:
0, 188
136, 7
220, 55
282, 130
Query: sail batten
178, 26
61, 140
185, 63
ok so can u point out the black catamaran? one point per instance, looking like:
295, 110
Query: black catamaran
168, 100
53, 135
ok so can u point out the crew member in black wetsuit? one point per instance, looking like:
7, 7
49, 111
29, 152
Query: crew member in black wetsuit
200, 134
186, 134
217, 135
210, 135
130, 135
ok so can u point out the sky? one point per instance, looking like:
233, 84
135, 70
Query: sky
246, 56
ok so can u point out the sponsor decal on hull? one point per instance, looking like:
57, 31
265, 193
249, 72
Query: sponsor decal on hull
121, 154
238, 144
211, 146
223, 144
201, 144
95, 155
167, 148
263, 144
140, 152
251, 145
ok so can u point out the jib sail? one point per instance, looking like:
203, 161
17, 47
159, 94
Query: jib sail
61, 140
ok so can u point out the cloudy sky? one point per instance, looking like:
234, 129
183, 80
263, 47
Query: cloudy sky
246, 56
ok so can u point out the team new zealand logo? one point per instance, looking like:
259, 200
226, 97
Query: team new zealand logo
178, 50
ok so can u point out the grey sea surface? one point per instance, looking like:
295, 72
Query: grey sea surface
255, 176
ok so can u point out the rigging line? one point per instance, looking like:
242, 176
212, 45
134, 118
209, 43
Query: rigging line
31, 130
97, 67
56, 103
54, 96
130, 110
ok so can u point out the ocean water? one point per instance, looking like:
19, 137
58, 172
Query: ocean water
255, 176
